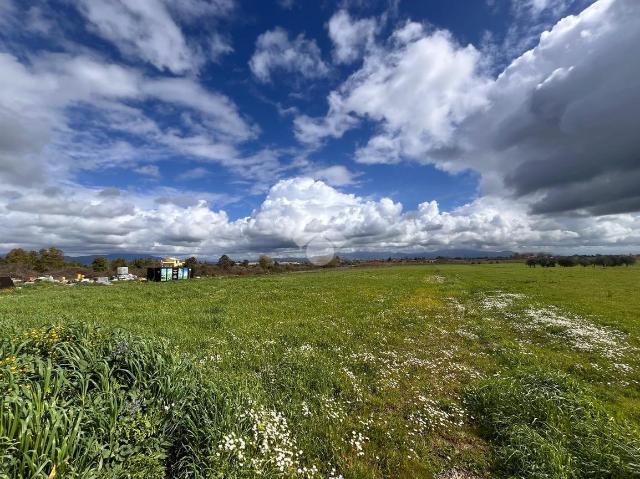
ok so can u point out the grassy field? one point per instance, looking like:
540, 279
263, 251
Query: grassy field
414, 371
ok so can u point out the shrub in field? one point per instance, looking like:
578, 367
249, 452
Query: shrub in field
545, 425
265, 261
89, 403
225, 262
100, 263
567, 261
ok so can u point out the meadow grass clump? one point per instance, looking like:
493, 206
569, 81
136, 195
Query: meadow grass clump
546, 425
80, 402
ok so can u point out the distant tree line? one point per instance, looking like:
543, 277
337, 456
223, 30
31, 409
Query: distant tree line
20, 262
102, 263
265, 264
549, 261
42, 260
53, 260
23, 263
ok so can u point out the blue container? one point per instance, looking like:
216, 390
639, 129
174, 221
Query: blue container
168, 274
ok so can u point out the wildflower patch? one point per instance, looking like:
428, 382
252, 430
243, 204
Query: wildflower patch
499, 300
267, 446
582, 335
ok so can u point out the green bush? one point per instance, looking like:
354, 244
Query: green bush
546, 425
88, 403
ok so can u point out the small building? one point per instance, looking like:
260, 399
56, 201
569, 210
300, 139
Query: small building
171, 262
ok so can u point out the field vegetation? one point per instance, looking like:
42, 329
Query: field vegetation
444, 371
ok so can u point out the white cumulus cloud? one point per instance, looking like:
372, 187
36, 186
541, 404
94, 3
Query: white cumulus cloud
558, 126
295, 212
350, 37
419, 89
276, 52
143, 29
37, 102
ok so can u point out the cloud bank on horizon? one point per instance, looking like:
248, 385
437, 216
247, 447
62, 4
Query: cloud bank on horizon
213, 126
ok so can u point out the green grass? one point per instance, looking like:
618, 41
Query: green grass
378, 372
82, 403
547, 425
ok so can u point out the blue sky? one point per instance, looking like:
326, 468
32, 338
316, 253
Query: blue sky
419, 125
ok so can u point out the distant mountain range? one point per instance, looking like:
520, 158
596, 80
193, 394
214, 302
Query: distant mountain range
358, 255
383, 255
445, 253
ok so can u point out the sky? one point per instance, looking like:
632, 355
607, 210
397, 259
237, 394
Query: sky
244, 127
